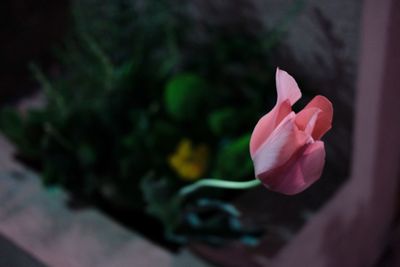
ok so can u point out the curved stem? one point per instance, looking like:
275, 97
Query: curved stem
219, 184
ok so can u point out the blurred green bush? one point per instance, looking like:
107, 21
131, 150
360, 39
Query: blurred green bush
140, 101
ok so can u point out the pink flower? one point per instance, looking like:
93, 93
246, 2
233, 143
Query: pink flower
285, 147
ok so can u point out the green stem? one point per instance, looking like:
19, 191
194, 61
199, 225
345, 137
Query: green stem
219, 184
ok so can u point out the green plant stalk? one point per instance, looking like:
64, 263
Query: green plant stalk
217, 183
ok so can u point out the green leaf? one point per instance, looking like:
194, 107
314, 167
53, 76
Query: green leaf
233, 160
185, 96
11, 124
223, 121
162, 202
86, 154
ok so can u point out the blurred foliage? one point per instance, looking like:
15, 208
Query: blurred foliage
233, 160
134, 83
185, 96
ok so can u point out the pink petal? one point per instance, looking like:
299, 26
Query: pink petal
324, 119
267, 124
287, 94
282, 144
306, 119
287, 87
301, 171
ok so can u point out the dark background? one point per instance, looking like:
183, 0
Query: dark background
29, 31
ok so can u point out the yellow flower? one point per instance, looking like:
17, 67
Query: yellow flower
189, 162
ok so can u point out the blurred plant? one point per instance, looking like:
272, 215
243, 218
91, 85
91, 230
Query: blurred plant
142, 109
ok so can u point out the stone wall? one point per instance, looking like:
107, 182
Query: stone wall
319, 47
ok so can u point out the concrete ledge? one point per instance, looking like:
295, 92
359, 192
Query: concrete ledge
11, 255
38, 221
